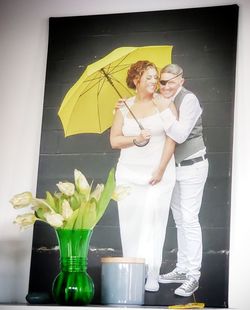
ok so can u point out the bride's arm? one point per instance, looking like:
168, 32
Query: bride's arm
118, 140
167, 153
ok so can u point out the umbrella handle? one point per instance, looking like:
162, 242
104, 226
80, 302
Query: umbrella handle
141, 144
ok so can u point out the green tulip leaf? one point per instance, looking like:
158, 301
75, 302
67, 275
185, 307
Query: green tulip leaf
89, 220
75, 201
51, 201
106, 195
80, 217
71, 221
40, 212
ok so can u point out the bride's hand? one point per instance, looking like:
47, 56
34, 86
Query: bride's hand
156, 177
143, 136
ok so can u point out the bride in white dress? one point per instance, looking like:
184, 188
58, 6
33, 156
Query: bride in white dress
149, 171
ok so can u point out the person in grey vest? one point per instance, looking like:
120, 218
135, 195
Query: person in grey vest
191, 174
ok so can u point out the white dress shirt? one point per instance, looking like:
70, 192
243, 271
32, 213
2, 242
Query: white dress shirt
179, 129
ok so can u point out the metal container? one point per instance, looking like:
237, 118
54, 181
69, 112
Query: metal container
123, 280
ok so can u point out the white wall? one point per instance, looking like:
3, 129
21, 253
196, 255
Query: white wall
23, 52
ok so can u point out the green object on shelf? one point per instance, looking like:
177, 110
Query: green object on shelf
73, 286
39, 298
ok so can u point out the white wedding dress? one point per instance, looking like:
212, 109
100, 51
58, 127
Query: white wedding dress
143, 214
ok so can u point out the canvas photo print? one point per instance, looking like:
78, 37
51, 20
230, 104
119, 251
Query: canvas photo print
176, 70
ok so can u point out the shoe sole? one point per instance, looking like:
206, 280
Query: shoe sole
151, 290
170, 281
185, 295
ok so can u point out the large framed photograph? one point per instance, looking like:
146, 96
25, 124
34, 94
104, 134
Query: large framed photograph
203, 43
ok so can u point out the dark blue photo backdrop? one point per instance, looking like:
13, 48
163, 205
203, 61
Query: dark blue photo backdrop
204, 44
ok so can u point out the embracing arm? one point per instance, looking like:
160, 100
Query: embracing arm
167, 153
118, 140
189, 113
173, 109
162, 104
167, 110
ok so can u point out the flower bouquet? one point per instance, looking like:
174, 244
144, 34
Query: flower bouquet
73, 211
75, 206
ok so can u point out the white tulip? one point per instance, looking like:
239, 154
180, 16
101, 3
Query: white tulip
25, 220
120, 192
21, 200
73, 206
54, 219
97, 191
66, 209
81, 182
66, 188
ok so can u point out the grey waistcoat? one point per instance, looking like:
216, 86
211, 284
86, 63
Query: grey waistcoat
194, 142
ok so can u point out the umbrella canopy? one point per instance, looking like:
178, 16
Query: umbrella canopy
88, 105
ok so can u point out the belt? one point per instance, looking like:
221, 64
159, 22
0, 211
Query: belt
191, 161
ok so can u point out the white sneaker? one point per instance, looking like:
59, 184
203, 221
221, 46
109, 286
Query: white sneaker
152, 285
173, 277
187, 288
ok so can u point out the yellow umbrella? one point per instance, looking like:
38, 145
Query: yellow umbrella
88, 105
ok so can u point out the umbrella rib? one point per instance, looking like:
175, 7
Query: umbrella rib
114, 79
111, 71
111, 78
99, 88
105, 77
97, 99
118, 70
117, 91
120, 62
100, 85
88, 89
99, 80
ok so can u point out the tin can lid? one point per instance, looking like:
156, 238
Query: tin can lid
123, 260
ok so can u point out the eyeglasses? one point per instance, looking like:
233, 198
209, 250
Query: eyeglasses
164, 82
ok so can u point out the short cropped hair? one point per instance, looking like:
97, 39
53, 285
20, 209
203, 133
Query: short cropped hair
172, 68
136, 70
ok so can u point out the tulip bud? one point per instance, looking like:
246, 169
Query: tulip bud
120, 192
81, 182
21, 200
25, 220
66, 209
66, 188
54, 219
97, 192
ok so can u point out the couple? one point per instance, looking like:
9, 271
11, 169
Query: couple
171, 170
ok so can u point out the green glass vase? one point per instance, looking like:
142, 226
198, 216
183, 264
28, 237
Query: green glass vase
73, 286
